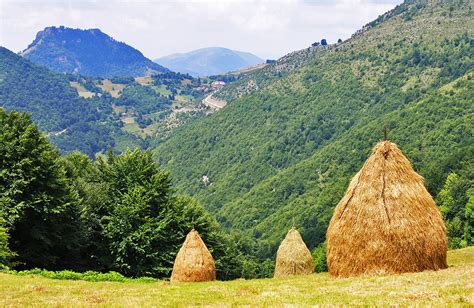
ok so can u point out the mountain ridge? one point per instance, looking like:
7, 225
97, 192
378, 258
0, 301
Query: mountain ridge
286, 146
88, 52
209, 61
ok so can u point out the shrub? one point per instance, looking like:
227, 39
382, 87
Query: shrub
5, 253
86, 276
319, 258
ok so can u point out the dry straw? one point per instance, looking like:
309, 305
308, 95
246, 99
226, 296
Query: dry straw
387, 222
293, 257
194, 262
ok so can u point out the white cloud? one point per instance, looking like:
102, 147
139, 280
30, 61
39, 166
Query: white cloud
266, 28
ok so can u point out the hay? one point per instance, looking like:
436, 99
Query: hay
194, 262
387, 221
293, 257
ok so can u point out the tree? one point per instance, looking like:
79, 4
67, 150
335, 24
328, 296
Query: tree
324, 42
455, 203
135, 215
469, 214
89, 191
34, 198
5, 253
319, 258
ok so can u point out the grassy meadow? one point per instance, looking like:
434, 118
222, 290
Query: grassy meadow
454, 285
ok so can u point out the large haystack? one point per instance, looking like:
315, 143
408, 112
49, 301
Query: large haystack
293, 257
387, 221
194, 262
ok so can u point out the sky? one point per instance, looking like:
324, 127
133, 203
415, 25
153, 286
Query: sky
267, 28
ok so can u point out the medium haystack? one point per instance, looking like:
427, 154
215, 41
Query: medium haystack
293, 257
194, 262
387, 221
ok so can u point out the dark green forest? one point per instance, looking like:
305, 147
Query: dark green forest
285, 150
91, 125
117, 213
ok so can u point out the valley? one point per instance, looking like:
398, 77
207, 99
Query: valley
109, 161
294, 132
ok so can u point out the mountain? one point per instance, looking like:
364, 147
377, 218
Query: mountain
55, 106
87, 52
209, 61
294, 132
91, 115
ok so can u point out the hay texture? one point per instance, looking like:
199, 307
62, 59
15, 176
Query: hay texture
293, 257
387, 222
194, 262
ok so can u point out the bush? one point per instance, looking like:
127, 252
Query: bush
319, 258
86, 276
5, 253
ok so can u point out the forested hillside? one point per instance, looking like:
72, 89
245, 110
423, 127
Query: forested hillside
93, 114
54, 104
295, 132
87, 52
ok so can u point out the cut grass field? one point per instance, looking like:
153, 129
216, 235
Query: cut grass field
114, 89
454, 285
81, 91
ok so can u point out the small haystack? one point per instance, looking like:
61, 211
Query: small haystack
194, 262
387, 221
293, 257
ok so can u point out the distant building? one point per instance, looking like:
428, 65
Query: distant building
216, 85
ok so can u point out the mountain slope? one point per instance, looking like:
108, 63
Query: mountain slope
88, 53
91, 115
296, 131
54, 104
209, 61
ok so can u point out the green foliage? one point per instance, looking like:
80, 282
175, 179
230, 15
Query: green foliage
143, 99
86, 276
303, 126
34, 199
455, 203
87, 52
241, 258
319, 258
123, 80
72, 122
5, 253
91, 125
134, 223
469, 224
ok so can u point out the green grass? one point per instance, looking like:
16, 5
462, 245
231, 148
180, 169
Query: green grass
453, 285
162, 89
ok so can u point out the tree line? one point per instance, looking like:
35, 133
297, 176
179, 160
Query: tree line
117, 213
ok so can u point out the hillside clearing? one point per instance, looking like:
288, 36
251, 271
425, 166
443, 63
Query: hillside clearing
114, 89
81, 91
453, 285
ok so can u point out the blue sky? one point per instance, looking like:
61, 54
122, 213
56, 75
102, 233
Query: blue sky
267, 28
